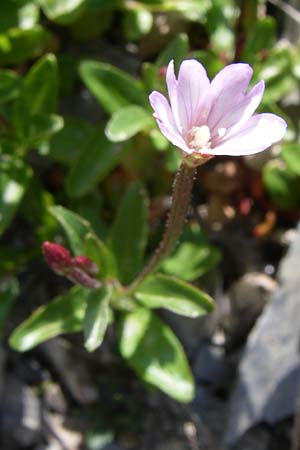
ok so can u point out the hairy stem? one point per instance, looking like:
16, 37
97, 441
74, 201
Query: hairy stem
182, 188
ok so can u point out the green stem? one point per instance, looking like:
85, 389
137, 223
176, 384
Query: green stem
182, 188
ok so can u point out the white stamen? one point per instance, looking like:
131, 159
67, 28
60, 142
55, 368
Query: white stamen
221, 132
200, 137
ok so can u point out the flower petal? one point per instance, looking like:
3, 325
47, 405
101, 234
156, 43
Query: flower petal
190, 96
165, 120
235, 119
194, 93
228, 90
172, 91
258, 133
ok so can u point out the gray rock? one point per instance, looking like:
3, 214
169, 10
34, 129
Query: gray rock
60, 434
211, 366
247, 296
257, 438
54, 398
20, 414
270, 367
64, 359
212, 414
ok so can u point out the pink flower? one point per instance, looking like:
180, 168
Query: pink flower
206, 118
79, 269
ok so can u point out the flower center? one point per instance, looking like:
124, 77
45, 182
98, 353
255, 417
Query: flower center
200, 137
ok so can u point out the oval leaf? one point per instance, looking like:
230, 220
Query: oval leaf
101, 255
14, 179
127, 122
112, 87
62, 11
161, 291
9, 290
75, 227
129, 232
153, 351
96, 317
42, 127
64, 314
98, 157
191, 260
177, 49
282, 186
17, 45
24, 14
10, 85
39, 93
67, 144
290, 153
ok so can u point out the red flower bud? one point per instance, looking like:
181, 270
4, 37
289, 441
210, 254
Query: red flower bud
57, 256
79, 276
78, 269
86, 264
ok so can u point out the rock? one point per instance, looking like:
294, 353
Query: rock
211, 366
54, 398
53, 444
173, 444
64, 359
20, 414
247, 296
69, 439
269, 371
212, 414
258, 438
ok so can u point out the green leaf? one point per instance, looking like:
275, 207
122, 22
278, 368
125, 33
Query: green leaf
282, 186
96, 317
162, 291
290, 153
129, 232
156, 355
220, 30
91, 208
34, 208
17, 45
137, 23
9, 290
126, 122
177, 50
191, 260
112, 87
14, 178
11, 259
42, 127
39, 94
75, 227
91, 23
277, 73
98, 252
10, 85
98, 157
262, 36
64, 314
67, 144
13, 14
62, 11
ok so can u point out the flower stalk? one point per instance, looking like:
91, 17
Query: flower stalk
181, 194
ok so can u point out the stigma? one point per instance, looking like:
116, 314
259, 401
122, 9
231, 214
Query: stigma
200, 138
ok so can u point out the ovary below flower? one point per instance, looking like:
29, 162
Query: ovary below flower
207, 118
